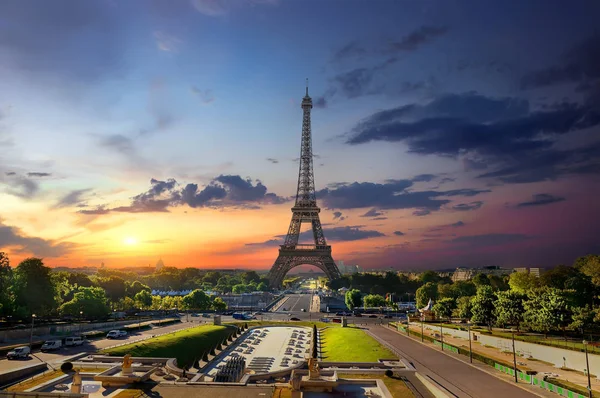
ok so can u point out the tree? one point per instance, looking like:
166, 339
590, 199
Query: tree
557, 276
218, 304
463, 307
126, 304
523, 282
240, 288
196, 300
429, 276
425, 293
134, 288
443, 307
353, 298
547, 309
114, 286
6, 276
262, 287
463, 288
590, 266
583, 319
482, 306
143, 299
481, 280
374, 300
212, 277
509, 308
34, 291
250, 276
91, 301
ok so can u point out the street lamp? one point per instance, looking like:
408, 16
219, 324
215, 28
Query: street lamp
422, 328
31, 334
80, 320
512, 330
442, 334
470, 348
587, 364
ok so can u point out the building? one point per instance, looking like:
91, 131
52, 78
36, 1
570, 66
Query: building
160, 265
347, 269
533, 271
464, 274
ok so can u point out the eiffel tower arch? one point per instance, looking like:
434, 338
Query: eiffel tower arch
292, 253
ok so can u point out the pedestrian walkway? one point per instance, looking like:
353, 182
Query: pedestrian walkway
506, 356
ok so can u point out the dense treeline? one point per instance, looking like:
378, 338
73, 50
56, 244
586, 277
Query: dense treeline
563, 299
32, 288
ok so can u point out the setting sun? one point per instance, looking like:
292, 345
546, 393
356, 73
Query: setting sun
130, 241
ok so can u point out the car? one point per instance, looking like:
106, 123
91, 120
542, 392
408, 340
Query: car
258, 313
373, 316
303, 310
116, 334
195, 315
358, 315
205, 315
387, 316
294, 319
73, 341
19, 353
51, 345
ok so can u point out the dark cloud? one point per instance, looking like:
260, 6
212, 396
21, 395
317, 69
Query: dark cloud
399, 233
392, 194
541, 199
205, 96
10, 173
223, 191
11, 237
468, 206
272, 160
372, 213
417, 38
95, 212
424, 178
22, 187
356, 82
335, 234
457, 224
379, 218
337, 215
49, 39
38, 174
501, 134
119, 143
320, 102
350, 50
71, 199
484, 240
421, 213
580, 64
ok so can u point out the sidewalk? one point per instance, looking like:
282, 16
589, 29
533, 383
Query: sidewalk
541, 367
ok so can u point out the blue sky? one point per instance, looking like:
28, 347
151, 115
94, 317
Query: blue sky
430, 112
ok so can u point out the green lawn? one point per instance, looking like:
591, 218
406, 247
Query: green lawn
185, 345
351, 345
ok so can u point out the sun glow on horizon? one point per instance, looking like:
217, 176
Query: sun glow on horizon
130, 241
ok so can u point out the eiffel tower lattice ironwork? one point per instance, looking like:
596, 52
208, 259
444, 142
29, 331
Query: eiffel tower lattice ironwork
292, 253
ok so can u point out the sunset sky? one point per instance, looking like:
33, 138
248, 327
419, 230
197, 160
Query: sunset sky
446, 133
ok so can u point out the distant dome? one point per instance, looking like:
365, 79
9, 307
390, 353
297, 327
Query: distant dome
160, 265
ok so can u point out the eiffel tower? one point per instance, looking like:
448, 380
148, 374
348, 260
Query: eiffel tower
292, 253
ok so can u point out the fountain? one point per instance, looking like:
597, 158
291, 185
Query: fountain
124, 373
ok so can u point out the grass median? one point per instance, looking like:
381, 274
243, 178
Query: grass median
185, 345
352, 345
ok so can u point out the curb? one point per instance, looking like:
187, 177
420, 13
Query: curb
475, 367
437, 393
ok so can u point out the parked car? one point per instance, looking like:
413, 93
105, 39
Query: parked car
19, 353
116, 334
205, 315
51, 345
195, 315
303, 310
373, 316
294, 319
73, 341
358, 315
387, 316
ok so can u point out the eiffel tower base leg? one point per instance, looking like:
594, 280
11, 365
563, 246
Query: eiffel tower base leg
289, 259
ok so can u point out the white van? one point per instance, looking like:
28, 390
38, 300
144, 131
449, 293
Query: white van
73, 341
51, 345
18, 353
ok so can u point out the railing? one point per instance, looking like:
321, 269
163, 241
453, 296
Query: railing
305, 247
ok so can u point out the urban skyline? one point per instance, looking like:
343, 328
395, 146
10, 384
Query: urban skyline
133, 131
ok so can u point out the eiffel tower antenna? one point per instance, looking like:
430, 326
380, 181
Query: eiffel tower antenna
292, 253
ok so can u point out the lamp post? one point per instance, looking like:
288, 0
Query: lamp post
442, 335
31, 333
587, 365
512, 330
422, 328
80, 320
470, 348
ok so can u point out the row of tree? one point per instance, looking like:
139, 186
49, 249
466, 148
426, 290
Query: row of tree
32, 288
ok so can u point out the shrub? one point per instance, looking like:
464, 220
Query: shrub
389, 373
66, 366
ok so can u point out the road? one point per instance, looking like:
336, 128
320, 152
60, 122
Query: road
455, 376
296, 303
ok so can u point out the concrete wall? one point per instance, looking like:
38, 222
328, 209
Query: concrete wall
572, 359
6, 336
19, 373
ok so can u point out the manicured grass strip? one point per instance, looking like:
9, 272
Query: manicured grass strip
395, 384
185, 345
351, 345
35, 381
